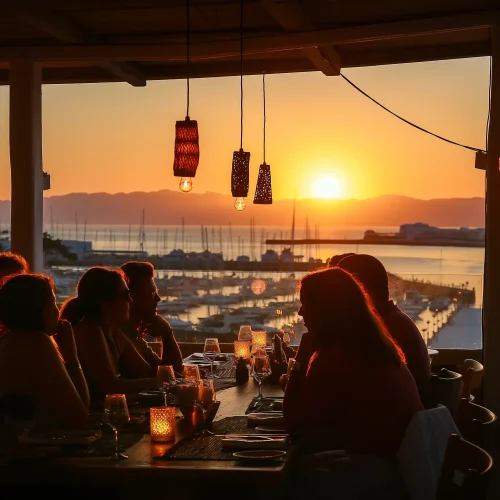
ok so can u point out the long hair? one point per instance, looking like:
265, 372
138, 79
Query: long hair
23, 301
344, 316
96, 287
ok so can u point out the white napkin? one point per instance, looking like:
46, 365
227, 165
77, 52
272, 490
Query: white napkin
255, 419
241, 443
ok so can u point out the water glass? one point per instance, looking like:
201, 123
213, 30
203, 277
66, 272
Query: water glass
260, 368
115, 415
207, 392
211, 346
192, 372
245, 332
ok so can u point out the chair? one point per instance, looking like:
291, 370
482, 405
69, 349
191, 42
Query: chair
477, 424
445, 390
466, 471
472, 373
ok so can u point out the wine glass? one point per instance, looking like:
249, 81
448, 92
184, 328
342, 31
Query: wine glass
192, 372
115, 415
165, 376
260, 368
211, 347
245, 332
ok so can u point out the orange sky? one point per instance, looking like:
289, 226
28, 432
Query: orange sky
114, 137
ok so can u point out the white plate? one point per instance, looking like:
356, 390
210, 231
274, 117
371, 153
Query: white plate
259, 455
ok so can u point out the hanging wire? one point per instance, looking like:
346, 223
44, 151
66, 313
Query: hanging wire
241, 73
188, 39
471, 148
264, 99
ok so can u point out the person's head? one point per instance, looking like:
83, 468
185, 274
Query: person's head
102, 295
334, 261
140, 280
12, 263
371, 273
338, 312
28, 303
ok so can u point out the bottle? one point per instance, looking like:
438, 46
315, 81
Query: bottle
241, 371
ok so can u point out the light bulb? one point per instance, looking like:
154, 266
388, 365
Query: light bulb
240, 204
186, 184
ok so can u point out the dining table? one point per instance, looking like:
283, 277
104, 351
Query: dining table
142, 473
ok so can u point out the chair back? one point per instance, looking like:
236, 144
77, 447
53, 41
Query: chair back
445, 389
477, 424
472, 373
466, 471
421, 454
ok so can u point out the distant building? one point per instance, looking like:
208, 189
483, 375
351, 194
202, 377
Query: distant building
243, 258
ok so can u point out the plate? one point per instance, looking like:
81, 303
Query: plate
259, 455
271, 428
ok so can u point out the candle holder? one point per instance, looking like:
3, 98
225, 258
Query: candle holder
241, 350
259, 339
162, 423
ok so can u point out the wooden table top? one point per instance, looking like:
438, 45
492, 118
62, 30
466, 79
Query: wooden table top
141, 465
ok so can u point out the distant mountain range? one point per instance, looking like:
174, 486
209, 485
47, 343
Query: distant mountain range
168, 207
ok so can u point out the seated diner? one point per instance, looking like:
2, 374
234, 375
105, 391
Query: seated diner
41, 381
100, 306
356, 393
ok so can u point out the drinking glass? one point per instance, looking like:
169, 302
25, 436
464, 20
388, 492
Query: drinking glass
211, 346
207, 392
115, 415
165, 376
192, 372
260, 368
245, 332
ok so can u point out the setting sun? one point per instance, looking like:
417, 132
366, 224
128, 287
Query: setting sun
327, 187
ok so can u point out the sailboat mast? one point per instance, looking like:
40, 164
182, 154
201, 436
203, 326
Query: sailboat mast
85, 230
182, 236
293, 225
76, 226
52, 222
129, 235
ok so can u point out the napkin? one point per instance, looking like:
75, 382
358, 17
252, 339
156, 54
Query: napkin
241, 443
255, 419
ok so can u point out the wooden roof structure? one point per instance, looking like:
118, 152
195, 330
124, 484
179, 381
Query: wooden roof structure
139, 40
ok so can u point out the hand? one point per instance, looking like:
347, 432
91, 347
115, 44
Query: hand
65, 341
283, 381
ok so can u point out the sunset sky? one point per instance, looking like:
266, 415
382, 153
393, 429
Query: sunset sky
321, 132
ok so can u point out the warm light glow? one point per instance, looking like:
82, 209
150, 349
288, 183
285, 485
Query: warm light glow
186, 184
241, 349
240, 204
258, 287
327, 186
259, 338
162, 423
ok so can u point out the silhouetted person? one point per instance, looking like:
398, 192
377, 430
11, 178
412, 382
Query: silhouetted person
12, 263
144, 318
372, 275
357, 394
100, 306
334, 261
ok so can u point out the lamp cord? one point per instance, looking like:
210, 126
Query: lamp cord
188, 39
264, 99
471, 148
241, 73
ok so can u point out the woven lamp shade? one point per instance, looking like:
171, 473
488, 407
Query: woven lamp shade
240, 174
264, 191
187, 148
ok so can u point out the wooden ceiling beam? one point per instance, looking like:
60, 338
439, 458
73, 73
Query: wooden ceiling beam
69, 32
255, 45
290, 15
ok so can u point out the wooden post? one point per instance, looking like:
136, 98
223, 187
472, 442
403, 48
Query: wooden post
491, 302
26, 217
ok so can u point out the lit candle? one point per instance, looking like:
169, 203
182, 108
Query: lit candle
241, 349
162, 423
259, 338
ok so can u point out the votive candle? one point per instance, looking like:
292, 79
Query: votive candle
259, 338
162, 423
241, 349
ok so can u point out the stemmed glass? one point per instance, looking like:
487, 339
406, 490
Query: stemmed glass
192, 372
165, 376
115, 415
245, 333
260, 368
211, 350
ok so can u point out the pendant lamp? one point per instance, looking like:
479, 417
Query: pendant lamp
187, 148
263, 190
240, 171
